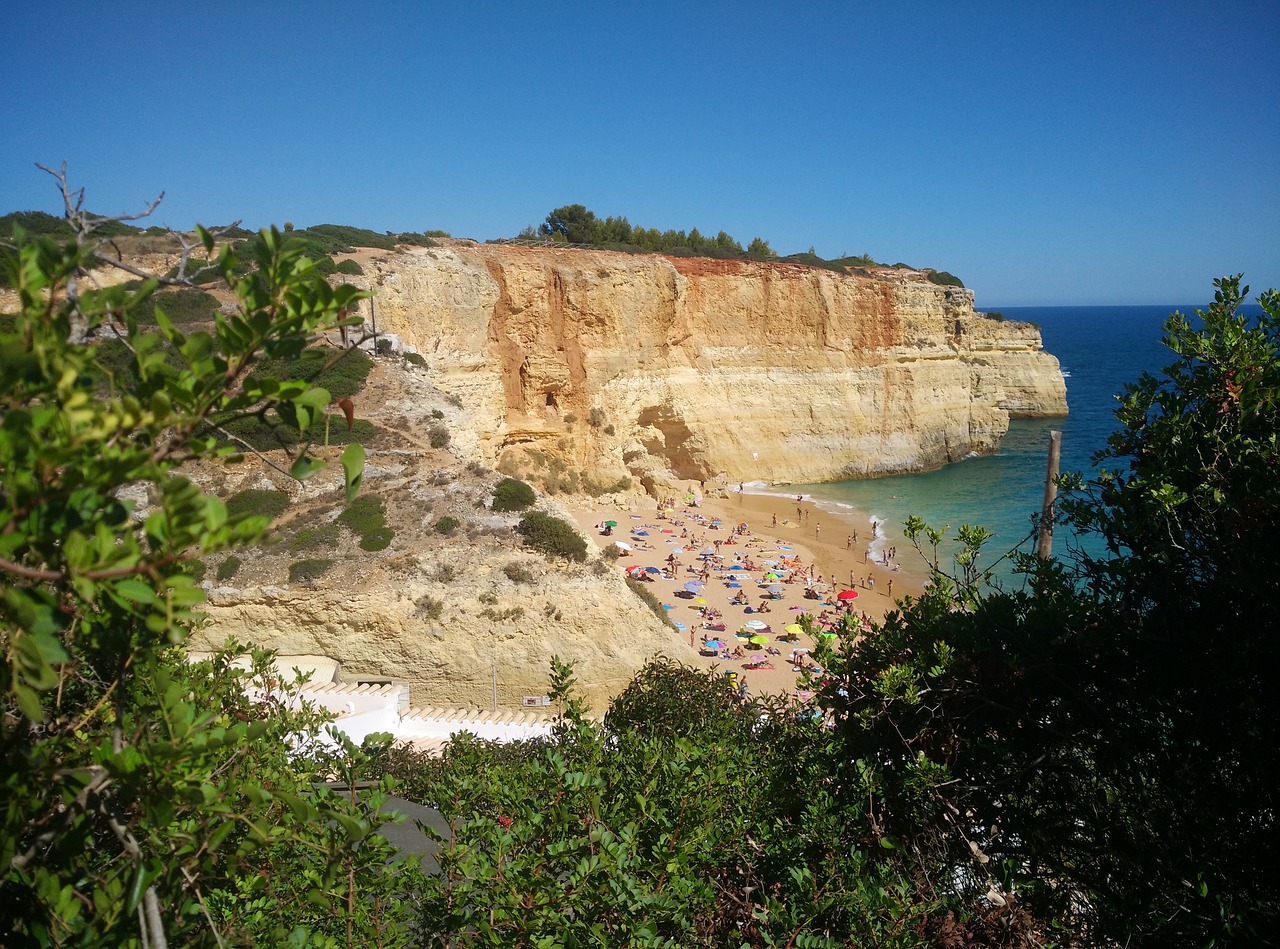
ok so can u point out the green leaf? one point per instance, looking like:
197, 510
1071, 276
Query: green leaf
29, 702
353, 468
304, 467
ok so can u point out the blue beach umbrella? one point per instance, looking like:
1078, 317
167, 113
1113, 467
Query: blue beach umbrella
652, 570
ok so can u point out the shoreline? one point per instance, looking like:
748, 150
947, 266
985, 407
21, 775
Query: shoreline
779, 529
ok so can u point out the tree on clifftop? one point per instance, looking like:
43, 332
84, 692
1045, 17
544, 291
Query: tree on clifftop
572, 223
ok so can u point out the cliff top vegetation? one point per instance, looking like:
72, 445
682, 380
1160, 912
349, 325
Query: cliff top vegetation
575, 224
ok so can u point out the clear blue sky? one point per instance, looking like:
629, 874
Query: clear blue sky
1046, 153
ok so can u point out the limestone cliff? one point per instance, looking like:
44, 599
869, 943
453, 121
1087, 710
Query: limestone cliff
697, 369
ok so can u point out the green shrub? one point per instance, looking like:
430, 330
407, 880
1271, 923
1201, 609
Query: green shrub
502, 616
552, 536
323, 536
301, 571
264, 435
428, 607
518, 573
384, 347
649, 599
942, 278
229, 567
256, 502
366, 513
439, 439
195, 569
343, 379
415, 359
446, 525
437, 413
181, 306
366, 518
349, 267
377, 539
512, 494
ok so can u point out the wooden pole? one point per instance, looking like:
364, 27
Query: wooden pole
1045, 547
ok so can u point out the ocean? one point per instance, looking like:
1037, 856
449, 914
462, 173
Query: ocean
1100, 349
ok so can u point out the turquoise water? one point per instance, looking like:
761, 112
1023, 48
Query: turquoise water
1100, 349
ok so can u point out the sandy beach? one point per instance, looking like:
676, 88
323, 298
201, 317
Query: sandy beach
715, 576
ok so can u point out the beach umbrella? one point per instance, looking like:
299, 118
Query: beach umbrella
701, 601
634, 570
759, 639
714, 644
621, 546
640, 533
794, 628
772, 576
667, 606
694, 586
680, 626
773, 588
847, 595
610, 523
737, 566
755, 624
827, 634
652, 570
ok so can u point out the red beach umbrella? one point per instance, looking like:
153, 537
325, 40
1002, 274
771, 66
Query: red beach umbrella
847, 595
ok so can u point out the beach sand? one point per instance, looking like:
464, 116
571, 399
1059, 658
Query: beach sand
779, 528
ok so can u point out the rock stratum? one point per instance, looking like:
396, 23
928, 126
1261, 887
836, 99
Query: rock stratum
697, 369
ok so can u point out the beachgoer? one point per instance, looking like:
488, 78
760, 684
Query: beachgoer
817, 529
775, 520
891, 586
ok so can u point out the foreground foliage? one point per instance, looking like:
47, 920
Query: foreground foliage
146, 800
1100, 744
690, 818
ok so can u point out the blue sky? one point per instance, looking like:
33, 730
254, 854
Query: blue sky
1046, 153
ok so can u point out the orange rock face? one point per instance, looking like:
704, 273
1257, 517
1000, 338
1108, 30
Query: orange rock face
687, 368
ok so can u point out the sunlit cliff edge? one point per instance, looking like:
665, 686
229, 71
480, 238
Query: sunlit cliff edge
690, 368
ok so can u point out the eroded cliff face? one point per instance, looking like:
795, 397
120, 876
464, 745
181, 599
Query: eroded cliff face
671, 368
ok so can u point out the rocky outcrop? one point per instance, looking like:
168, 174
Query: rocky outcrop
700, 369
